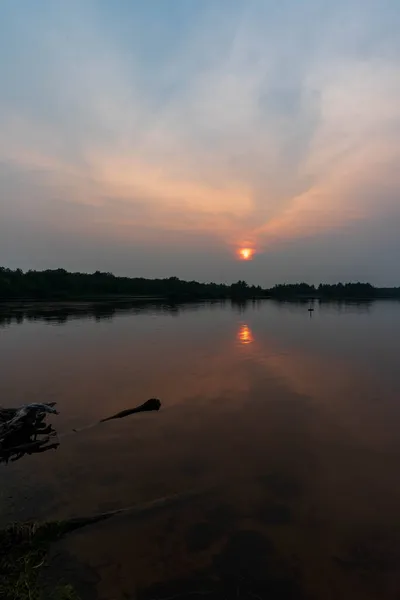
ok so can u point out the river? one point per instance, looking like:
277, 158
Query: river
274, 460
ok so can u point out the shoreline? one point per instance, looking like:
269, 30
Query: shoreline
82, 304
24, 302
73, 303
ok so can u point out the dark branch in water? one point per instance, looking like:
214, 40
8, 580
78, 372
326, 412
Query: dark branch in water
152, 404
23, 430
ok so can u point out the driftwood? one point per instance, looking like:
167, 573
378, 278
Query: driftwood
138, 510
24, 431
152, 404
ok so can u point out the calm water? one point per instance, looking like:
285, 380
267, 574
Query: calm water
279, 434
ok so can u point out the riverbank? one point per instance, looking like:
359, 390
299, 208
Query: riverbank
72, 301
87, 302
63, 287
23, 552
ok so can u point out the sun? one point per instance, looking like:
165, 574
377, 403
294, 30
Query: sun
245, 253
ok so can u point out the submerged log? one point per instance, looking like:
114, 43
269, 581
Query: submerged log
24, 431
152, 404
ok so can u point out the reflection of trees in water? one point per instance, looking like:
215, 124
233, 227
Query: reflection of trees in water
327, 305
240, 305
99, 312
59, 315
346, 306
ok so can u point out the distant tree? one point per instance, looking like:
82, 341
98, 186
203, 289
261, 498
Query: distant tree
59, 283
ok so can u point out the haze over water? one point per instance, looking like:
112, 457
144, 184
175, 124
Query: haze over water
283, 427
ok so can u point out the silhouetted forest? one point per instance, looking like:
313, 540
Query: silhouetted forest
62, 285
332, 291
59, 284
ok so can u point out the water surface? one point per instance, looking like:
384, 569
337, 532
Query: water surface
278, 436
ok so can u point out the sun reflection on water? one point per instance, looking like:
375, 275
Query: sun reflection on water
245, 335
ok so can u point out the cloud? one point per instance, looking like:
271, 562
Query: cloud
258, 122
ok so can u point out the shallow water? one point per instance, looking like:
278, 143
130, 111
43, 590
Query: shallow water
278, 442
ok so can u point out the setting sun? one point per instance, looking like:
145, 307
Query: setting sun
245, 253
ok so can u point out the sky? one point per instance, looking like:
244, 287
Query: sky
156, 138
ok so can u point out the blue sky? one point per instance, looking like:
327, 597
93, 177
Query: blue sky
155, 138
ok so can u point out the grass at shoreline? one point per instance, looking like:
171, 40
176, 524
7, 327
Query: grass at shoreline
23, 552
24, 548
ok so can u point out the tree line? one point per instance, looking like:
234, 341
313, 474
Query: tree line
336, 290
61, 284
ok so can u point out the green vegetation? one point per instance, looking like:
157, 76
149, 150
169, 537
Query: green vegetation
23, 554
59, 284
23, 550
